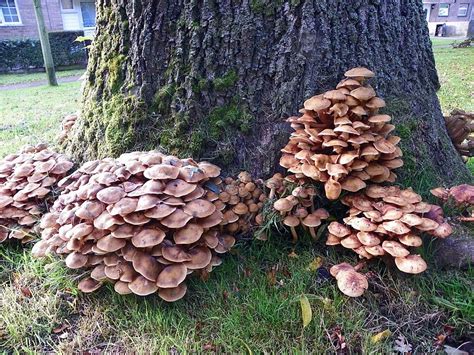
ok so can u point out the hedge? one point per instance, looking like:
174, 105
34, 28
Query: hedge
26, 54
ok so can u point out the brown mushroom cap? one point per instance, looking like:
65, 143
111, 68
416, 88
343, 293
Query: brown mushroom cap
122, 288
411, 264
335, 269
317, 103
375, 250
338, 229
178, 188
191, 233
146, 265
89, 285
352, 283
160, 211
175, 253
110, 195
171, 276
142, 287
148, 237
332, 189
394, 248
161, 172
200, 257
359, 72
282, 205
110, 244
173, 294
76, 260
396, 227
177, 219
411, 240
199, 208
350, 242
368, 238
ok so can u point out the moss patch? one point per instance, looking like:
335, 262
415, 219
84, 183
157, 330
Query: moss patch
226, 81
214, 134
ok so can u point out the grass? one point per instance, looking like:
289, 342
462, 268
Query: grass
240, 309
33, 115
249, 304
9, 79
456, 75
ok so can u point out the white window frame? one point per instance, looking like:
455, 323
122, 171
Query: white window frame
82, 19
445, 6
73, 10
467, 9
6, 24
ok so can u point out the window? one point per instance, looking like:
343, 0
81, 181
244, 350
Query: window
88, 14
67, 4
9, 13
443, 10
462, 10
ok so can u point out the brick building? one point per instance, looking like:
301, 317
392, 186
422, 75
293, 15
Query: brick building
455, 15
18, 21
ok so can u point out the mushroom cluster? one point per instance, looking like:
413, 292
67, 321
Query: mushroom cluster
349, 281
341, 139
240, 201
388, 221
66, 126
297, 209
27, 181
463, 198
143, 221
460, 126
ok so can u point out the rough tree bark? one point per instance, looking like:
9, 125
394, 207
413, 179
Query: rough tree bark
213, 79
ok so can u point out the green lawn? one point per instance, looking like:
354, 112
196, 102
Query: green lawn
456, 75
7, 79
33, 115
250, 304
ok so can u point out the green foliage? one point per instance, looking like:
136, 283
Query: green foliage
162, 98
115, 69
227, 118
23, 54
226, 81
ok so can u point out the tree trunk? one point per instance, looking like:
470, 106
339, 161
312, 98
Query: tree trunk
214, 79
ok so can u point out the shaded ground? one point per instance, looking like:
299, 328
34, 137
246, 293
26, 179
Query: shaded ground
251, 302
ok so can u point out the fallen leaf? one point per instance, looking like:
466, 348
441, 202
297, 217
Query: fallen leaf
315, 264
271, 276
306, 312
26, 291
377, 338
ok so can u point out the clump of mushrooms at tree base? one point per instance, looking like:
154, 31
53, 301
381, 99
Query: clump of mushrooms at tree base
341, 140
146, 221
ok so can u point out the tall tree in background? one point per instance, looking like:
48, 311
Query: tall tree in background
213, 79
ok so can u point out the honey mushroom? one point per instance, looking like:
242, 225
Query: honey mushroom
145, 221
27, 183
341, 140
387, 220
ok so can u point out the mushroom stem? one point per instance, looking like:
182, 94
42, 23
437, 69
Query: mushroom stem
360, 265
294, 235
313, 233
272, 193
